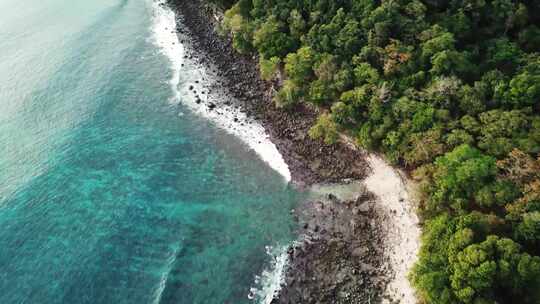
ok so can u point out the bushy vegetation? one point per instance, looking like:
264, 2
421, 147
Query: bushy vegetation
447, 89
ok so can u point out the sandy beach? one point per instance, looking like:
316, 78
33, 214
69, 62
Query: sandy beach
358, 233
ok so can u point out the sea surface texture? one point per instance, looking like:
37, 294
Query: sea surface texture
111, 189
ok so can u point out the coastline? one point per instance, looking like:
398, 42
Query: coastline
310, 161
203, 95
356, 248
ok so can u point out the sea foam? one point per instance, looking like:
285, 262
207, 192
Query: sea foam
228, 117
269, 283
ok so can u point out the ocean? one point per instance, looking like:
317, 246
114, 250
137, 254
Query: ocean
115, 186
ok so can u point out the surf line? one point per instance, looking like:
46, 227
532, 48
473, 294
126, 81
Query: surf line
223, 114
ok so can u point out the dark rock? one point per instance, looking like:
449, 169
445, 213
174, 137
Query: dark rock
238, 74
328, 248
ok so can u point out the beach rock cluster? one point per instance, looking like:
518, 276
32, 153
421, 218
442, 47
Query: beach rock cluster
340, 257
310, 161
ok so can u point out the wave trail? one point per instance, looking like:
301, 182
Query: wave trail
225, 116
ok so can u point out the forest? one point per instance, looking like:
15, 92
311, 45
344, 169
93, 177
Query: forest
448, 90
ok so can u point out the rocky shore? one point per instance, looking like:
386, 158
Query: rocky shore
349, 247
341, 256
310, 161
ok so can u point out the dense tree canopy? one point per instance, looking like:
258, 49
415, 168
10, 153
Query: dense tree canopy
447, 89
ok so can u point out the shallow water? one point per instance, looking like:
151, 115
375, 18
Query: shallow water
112, 191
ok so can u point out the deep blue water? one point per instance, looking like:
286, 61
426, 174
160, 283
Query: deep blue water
107, 194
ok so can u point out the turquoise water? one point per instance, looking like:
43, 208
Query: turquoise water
110, 193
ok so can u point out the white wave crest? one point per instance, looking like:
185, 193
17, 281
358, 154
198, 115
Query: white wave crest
165, 275
269, 283
164, 29
189, 76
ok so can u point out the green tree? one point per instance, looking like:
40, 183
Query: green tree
529, 38
271, 40
343, 79
320, 93
365, 73
529, 229
423, 118
325, 67
472, 100
325, 128
501, 129
424, 147
458, 176
297, 24
436, 40
269, 67
449, 62
458, 137
524, 88
504, 54
299, 65
342, 114
240, 29
480, 270
289, 94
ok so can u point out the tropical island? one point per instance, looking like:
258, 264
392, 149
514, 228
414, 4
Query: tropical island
449, 91
270, 152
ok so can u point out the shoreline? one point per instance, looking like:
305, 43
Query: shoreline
369, 226
203, 95
401, 225
310, 161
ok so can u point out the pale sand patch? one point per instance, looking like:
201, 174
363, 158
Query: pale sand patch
402, 225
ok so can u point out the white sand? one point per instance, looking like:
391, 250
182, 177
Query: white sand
403, 231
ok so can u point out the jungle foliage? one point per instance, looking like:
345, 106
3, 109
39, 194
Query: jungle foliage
447, 89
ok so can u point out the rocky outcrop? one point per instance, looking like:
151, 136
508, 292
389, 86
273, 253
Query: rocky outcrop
340, 258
